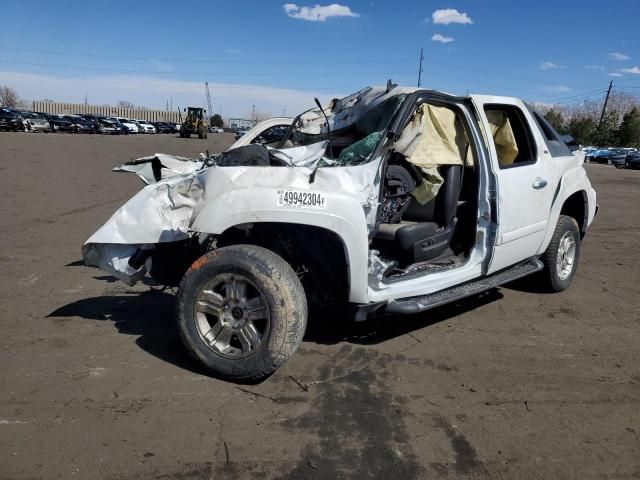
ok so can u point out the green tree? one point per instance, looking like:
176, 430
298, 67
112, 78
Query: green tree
582, 129
556, 119
629, 131
606, 134
216, 121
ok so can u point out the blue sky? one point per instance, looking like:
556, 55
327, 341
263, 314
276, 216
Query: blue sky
278, 55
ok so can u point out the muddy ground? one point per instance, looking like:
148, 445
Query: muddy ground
95, 384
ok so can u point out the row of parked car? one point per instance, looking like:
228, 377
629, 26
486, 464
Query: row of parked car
619, 157
17, 120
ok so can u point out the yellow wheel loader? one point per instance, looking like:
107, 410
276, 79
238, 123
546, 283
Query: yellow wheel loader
194, 123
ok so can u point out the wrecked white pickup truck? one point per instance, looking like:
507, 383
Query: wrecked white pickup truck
395, 200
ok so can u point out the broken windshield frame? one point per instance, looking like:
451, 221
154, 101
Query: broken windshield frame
354, 143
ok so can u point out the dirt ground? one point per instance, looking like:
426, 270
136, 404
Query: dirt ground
95, 384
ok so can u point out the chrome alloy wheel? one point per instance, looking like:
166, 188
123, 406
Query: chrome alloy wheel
566, 256
232, 316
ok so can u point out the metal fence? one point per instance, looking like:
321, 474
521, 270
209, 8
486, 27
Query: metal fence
58, 108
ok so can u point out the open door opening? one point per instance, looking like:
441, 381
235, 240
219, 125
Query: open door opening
428, 214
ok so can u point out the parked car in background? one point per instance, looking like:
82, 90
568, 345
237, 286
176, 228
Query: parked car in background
146, 126
216, 130
602, 155
108, 126
131, 125
122, 129
10, 120
60, 124
80, 124
93, 120
35, 122
163, 127
618, 158
633, 161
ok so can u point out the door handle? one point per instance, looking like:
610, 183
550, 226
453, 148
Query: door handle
539, 183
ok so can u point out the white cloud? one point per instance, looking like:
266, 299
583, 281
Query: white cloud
615, 74
441, 38
633, 70
619, 56
551, 66
557, 88
154, 92
594, 67
318, 13
450, 15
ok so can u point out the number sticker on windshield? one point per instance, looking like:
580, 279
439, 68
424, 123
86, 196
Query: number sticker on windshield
296, 199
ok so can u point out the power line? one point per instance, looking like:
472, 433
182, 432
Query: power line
199, 60
219, 74
578, 96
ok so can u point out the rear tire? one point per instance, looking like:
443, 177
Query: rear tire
609, 161
562, 255
241, 312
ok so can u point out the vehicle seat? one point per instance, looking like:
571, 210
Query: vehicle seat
425, 231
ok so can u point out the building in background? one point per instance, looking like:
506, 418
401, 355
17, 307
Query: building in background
236, 123
59, 108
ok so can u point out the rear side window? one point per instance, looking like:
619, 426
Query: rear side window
511, 136
556, 146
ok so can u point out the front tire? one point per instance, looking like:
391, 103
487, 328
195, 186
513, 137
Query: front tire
241, 312
562, 255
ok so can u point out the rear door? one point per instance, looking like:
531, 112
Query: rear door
526, 179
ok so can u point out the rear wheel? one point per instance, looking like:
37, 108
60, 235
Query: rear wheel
241, 312
562, 255
609, 161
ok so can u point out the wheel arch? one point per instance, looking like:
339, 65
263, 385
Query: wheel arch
319, 255
575, 205
349, 261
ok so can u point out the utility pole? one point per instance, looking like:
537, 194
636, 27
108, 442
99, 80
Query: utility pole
420, 68
86, 100
206, 86
604, 107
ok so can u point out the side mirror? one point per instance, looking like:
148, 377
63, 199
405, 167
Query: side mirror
185, 110
571, 142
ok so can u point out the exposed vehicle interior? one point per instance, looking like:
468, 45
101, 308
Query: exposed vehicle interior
428, 213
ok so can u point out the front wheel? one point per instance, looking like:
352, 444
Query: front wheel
241, 312
562, 255
609, 161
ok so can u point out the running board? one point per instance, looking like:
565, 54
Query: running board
426, 302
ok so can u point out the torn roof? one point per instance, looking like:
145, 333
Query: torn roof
345, 111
